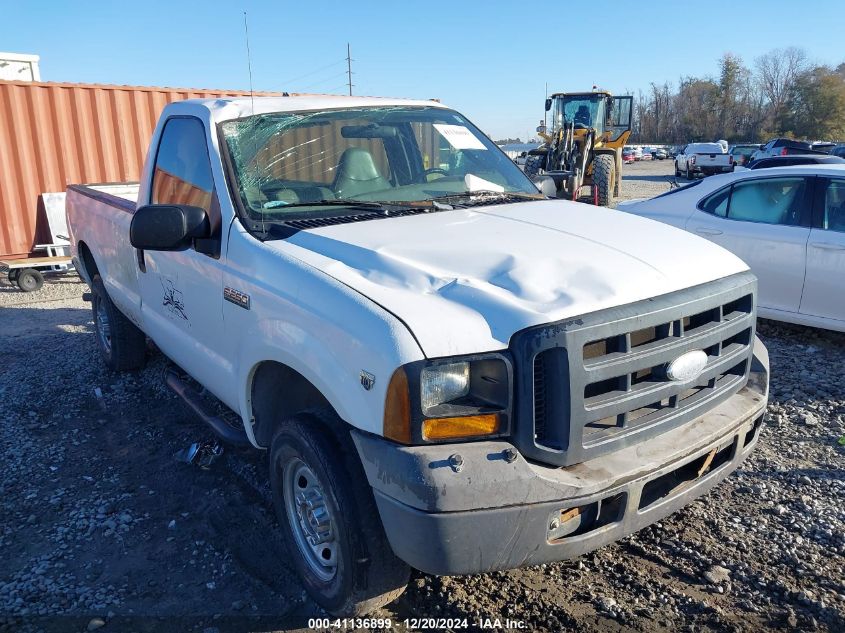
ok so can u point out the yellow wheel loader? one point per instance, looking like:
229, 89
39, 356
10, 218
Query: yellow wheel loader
584, 146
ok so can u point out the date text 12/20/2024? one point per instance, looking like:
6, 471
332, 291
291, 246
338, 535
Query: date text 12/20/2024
415, 624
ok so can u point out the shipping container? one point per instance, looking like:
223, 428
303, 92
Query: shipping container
56, 134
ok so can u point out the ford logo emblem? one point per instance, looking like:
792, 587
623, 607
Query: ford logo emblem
687, 367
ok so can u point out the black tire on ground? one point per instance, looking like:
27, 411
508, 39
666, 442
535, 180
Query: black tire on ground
690, 174
533, 164
13, 276
677, 171
122, 345
364, 573
29, 279
603, 178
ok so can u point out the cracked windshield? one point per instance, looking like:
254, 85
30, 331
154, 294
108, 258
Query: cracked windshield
304, 161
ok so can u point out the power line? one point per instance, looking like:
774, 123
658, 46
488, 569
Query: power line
322, 81
313, 72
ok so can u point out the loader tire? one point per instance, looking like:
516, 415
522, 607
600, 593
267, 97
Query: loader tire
533, 164
603, 178
122, 345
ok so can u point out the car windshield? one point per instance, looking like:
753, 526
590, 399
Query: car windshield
290, 163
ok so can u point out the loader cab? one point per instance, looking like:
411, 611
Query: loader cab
587, 110
598, 110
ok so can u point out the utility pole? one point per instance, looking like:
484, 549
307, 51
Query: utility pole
349, 67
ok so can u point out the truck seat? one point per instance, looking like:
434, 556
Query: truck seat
357, 174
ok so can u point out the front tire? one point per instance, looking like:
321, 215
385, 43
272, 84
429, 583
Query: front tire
122, 345
603, 178
329, 519
690, 175
533, 164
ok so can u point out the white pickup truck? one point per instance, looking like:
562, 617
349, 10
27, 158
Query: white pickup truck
703, 158
449, 371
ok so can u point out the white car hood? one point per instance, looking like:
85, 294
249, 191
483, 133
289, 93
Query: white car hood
464, 281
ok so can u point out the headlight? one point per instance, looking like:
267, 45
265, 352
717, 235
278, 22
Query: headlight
443, 383
449, 399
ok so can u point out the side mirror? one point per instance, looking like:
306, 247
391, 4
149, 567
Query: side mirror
168, 227
548, 104
541, 129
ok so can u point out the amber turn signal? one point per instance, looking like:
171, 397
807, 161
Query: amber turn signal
397, 409
461, 427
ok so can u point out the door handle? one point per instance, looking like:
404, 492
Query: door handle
827, 246
704, 231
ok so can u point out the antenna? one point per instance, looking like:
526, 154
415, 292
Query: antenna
349, 68
249, 64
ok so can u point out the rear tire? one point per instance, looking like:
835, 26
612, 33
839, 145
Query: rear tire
690, 174
122, 345
603, 178
28, 279
13, 276
322, 496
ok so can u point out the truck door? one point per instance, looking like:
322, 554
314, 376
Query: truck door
620, 117
182, 291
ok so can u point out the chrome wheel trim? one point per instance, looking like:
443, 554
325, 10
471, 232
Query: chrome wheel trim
103, 326
310, 514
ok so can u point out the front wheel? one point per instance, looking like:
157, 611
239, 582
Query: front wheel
330, 522
603, 178
534, 163
690, 174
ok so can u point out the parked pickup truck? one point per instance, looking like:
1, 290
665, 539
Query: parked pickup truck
448, 370
703, 158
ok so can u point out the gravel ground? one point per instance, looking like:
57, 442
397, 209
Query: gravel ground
101, 527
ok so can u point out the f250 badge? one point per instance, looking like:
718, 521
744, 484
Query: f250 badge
367, 380
237, 297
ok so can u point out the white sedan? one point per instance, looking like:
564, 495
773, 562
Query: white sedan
787, 223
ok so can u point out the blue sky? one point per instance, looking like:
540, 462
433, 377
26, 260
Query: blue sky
490, 60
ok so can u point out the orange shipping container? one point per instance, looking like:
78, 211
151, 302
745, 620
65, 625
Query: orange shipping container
56, 134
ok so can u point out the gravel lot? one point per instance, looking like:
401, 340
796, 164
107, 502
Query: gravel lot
101, 527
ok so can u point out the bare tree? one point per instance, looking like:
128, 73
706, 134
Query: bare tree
778, 71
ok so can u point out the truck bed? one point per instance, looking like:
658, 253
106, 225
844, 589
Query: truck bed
100, 215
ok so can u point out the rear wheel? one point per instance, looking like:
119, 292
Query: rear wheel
330, 521
13, 276
603, 178
122, 345
29, 279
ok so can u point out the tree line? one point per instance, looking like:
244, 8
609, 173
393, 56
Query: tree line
782, 94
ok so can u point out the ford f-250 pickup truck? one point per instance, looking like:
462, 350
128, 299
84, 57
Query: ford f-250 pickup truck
450, 372
703, 158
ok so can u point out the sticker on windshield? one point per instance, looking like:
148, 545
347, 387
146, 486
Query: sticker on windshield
458, 136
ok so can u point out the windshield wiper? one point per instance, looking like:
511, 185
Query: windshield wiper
485, 196
334, 202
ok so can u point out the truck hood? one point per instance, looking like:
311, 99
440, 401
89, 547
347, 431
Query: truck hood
464, 281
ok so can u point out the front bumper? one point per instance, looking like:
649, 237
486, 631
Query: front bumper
492, 514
